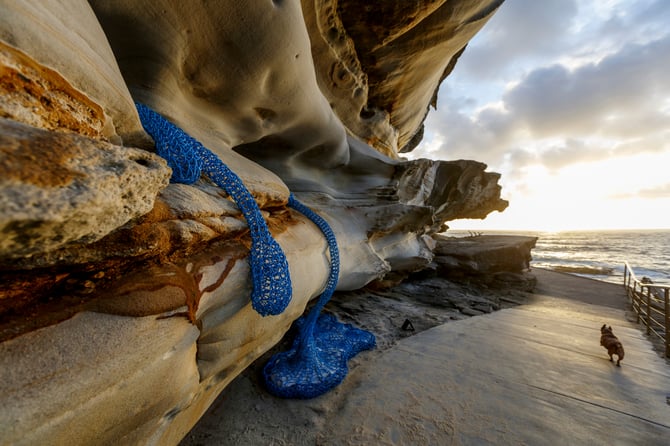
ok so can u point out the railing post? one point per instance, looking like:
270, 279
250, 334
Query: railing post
636, 302
625, 277
667, 322
648, 310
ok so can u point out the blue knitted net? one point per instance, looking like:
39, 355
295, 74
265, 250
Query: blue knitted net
317, 360
188, 159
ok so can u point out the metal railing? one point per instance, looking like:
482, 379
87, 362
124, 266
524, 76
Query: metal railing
651, 303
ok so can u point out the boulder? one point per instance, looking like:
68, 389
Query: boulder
485, 258
60, 188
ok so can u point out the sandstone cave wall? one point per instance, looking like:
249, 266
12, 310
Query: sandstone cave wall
124, 299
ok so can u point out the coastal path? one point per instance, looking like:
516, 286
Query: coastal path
533, 374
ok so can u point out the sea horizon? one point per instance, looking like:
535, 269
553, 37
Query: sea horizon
595, 253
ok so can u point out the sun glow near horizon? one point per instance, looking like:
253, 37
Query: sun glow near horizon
528, 217
596, 195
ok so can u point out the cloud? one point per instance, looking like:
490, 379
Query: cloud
652, 18
571, 151
662, 191
596, 98
657, 192
563, 97
462, 135
607, 108
520, 28
565, 111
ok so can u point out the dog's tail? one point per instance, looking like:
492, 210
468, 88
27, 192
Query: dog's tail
619, 350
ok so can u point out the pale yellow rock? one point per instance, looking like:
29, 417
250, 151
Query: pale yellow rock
103, 379
58, 188
217, 77
145, 356
66, 37
96, 379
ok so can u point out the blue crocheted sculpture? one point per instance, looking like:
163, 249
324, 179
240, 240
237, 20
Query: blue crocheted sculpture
188, 159
317, 361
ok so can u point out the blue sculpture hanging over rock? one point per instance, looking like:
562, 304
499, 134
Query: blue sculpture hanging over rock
317, 360
188, 159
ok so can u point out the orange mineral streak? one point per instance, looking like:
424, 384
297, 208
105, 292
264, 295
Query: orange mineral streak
39, 159
164, 288
159, 275
39, 96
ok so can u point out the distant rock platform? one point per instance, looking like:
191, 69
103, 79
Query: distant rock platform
479, 275
486, 258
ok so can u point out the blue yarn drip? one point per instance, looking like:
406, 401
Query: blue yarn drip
188, 159
317, 360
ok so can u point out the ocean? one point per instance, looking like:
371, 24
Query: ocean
599, 255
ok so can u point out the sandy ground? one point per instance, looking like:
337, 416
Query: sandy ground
448, 382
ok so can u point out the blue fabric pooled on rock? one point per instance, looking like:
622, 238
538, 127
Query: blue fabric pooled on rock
317, 360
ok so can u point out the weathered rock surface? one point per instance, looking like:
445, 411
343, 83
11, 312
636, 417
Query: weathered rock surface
58, 188
380, 63
477, 283
482, 255
426, 299
36, 95
143, 372
111, 279
65, 41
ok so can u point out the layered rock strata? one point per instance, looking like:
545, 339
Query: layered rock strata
482, 258
124, 300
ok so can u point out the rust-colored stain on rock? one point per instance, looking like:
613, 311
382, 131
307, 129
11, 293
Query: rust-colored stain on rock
39, 158
38, 96
147, 271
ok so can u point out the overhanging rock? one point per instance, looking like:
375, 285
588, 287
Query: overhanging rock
145, 304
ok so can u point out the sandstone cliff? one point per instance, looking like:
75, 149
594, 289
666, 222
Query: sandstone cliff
124, 299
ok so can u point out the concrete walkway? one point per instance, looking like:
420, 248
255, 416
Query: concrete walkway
531, 375
534, 374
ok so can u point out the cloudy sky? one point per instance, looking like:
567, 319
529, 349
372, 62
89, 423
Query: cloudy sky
570, 102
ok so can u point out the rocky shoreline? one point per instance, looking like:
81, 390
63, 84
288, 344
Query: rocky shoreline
128, 294
479, 275
468, 277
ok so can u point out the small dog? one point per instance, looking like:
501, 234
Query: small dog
611, 343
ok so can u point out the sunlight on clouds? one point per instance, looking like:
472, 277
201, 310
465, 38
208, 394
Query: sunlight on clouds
433, 145
573, 213
616, 176
583, 196
570, 102
665, 106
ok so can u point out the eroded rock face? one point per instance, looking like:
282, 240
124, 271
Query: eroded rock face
59, 188
316, 98
486, 259
380, 63
66, 39
39, 96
